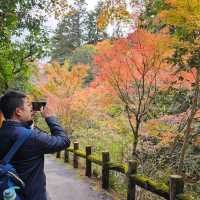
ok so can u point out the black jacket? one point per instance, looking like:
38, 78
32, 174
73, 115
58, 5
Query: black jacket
29, 159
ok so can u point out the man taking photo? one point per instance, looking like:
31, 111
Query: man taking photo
29, 159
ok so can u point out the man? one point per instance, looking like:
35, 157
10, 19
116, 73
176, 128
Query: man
29, 159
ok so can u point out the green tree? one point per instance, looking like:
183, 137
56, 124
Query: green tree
84, 55
94, 34
71, 32
22, 39
151, 8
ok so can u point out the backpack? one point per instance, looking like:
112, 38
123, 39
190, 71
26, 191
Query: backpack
9, 180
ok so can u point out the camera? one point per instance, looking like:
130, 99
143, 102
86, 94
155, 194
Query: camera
36, 105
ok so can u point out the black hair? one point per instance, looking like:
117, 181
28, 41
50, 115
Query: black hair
10, 101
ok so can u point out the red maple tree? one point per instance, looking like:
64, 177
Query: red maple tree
134, 69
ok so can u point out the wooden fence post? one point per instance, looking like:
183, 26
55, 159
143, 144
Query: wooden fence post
88, 169
66, 156
105, 170
132, 169
58, 154
76, 147
176, 185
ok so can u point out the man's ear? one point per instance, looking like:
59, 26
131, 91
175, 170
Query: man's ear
18, 112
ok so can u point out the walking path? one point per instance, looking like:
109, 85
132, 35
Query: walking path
64, 183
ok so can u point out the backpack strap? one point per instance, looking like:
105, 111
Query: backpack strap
20, 141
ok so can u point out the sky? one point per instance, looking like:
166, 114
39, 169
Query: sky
52, 22
91, 4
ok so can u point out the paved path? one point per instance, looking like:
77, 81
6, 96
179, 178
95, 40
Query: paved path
64, 183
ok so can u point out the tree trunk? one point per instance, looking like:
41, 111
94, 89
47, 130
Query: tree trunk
135, 131
189, 122
134, 147
135, 141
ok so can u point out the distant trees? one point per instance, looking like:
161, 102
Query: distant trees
70, 32
60, 84
84, 55
94, 33
77, 28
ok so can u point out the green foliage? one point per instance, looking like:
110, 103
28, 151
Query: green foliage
83, 55
118, 182
185, 197
94, 34
147, 17
70, 32
108, 129
76, 29
39, 123
22, 39
114, 111
169, 102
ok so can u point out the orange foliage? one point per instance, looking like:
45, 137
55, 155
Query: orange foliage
134, 66
59, 85
163, 128
64, 83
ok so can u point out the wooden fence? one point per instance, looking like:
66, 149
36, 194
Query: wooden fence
173, 191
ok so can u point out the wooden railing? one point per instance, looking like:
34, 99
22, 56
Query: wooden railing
172, 191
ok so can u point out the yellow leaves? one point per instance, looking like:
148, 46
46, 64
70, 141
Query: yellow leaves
59, 81
60, 84
78, 74
112, 13
182, 13
103, 46
102, 21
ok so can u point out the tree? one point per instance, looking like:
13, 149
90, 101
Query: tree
134, 69
182, 20
57, 83
22, 39
94, 34
83, 55
113, 11
147, 10
179, 19
71, 32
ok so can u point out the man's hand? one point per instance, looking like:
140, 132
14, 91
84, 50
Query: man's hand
47, 111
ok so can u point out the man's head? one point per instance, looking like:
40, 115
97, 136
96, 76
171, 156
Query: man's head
15, 105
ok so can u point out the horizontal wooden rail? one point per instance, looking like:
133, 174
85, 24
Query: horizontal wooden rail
70, 149
80, 153
173, 191
95, 160
119, 167
184, 197
160, 189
